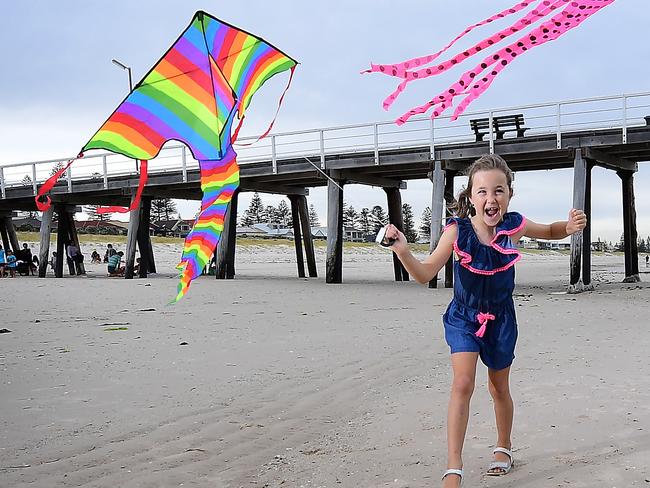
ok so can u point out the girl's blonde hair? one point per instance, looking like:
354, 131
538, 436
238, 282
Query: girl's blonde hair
462, 207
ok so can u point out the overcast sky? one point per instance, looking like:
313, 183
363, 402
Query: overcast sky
58, 84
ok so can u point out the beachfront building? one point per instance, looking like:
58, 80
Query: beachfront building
353, 235
319, 232
101, 227
554, 245
172, 227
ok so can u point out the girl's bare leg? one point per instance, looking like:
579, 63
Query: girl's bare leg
499, 386
463, 365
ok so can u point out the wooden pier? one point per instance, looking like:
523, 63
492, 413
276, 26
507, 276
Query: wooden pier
388, 165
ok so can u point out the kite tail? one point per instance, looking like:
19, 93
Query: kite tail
219, 180
43, 201
400, 69
136, 201
477, 80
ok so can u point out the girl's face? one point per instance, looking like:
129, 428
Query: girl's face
490, 195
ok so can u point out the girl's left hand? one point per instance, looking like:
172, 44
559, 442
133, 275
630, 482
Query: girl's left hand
577, 221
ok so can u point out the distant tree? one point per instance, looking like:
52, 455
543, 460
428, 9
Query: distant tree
641, 245
621, 243
314, 221
26, 181
363, 221
425, 223
378, 218
349, 215
647, 243
255, 213
163, 208
91, 211
271, 215
409, 224
57, 167
283, 213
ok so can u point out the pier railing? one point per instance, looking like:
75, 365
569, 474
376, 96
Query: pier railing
619, 112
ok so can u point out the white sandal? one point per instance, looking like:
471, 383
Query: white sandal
506, 466
458, 472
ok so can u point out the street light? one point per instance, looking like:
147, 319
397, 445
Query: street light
127, 68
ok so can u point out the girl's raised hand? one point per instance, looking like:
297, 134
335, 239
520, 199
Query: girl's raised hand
400, 243
577, 221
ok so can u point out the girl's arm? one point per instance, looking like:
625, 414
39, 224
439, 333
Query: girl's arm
557, 230
425, 270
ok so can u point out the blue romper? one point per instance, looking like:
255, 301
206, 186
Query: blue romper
481, 317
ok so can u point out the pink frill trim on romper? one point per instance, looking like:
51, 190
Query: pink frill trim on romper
466, 259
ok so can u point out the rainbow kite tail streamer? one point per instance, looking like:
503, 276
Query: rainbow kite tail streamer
219, 180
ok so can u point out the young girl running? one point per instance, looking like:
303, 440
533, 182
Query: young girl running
480, 320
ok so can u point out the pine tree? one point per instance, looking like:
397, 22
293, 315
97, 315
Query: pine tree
283, 213
314, 221
409, 224
378, 218
349, 215
271, 215
363, 221
91, 211
621, 243
57, 167
163, 208
425, 224
255, 213
641, 245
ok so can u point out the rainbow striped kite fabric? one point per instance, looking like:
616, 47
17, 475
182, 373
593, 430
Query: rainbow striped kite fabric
192, 95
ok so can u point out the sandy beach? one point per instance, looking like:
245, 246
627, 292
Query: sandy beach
270, 380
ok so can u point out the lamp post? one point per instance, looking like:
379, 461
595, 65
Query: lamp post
127, 68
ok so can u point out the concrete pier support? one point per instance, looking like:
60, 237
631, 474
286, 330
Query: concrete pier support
581, 189
334, 265
437, 205
396, 218
630, 235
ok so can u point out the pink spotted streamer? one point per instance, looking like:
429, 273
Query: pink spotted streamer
567, 15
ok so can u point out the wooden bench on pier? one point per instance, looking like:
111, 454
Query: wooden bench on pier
501, 125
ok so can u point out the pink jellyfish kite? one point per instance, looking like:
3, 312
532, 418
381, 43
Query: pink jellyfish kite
550, 18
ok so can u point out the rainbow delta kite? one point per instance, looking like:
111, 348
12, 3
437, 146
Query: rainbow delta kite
554, 18
192, 95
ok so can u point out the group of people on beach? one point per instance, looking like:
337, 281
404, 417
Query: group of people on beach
112, 259
21, 262
480, 322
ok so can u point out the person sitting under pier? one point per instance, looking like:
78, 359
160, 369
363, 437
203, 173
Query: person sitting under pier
3, 262
114, 268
